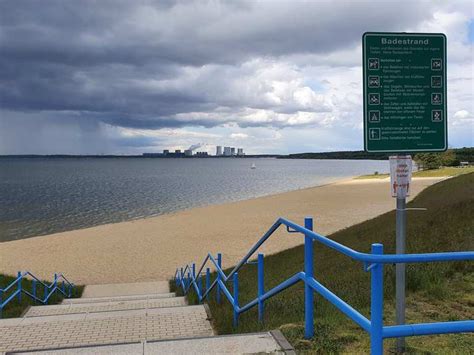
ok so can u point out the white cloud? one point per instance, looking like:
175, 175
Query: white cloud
463, 114
239, 136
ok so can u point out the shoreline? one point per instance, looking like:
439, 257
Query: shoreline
150, 248
337, 180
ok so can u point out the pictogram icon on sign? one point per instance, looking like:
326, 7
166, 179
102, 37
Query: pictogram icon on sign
374, 81
436, 81
374, 116
436, 115
436, 64
374, 134
374, 99
374, 64
436, 98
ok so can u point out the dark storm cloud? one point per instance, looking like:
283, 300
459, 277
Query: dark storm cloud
113, 61
137, 32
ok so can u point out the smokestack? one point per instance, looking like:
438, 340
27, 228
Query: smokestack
194, 146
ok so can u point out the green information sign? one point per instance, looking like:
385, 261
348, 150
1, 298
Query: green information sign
404, 92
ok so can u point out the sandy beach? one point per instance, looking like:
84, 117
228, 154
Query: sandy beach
151, 248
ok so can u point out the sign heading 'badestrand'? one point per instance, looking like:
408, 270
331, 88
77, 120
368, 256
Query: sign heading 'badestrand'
405, 97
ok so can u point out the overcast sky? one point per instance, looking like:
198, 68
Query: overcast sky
126, 77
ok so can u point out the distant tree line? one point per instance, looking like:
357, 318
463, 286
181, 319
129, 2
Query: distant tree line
359, 155
452, 157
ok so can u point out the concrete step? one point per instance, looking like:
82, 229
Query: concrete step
126, 289
117, 298
103, 328
73, 308
262, 343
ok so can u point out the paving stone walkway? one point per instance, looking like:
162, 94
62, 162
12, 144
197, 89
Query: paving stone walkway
104, 328
109, 306
118, 298
266, 343
113, 319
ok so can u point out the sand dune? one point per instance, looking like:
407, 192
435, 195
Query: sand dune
151, 248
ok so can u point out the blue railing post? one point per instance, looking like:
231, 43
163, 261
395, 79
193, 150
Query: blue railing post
194, 271
33, 289
45, 295
19, 284
261, 286
236, 299
218, 288
199, 285
376, 304
308, 291
55, 281
208, 282
1, 301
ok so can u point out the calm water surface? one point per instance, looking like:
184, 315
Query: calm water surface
41, 196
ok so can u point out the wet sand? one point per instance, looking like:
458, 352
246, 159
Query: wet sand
151, 248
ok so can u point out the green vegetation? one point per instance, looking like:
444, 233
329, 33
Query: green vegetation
373, 176
16, 308
436, 160
441, 172
435, 291
465, 154
452, 157
338, 155
445, 171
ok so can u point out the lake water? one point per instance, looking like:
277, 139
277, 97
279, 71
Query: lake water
41, 196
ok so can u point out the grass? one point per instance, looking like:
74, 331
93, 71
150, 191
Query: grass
445, 171
435, 292
16, 308
441, 172
372, 176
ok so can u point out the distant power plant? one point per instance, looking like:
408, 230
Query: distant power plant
229, 151
190, 152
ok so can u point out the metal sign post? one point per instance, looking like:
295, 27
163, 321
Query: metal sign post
405, 111
400, 268
400, 179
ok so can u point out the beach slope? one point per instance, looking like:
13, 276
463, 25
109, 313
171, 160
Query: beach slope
151, 248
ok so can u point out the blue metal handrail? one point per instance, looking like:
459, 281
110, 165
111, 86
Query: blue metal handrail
58, 285
374, 262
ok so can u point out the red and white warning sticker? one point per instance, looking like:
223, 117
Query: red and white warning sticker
400, 175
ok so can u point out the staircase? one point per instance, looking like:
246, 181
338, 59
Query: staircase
133, 318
